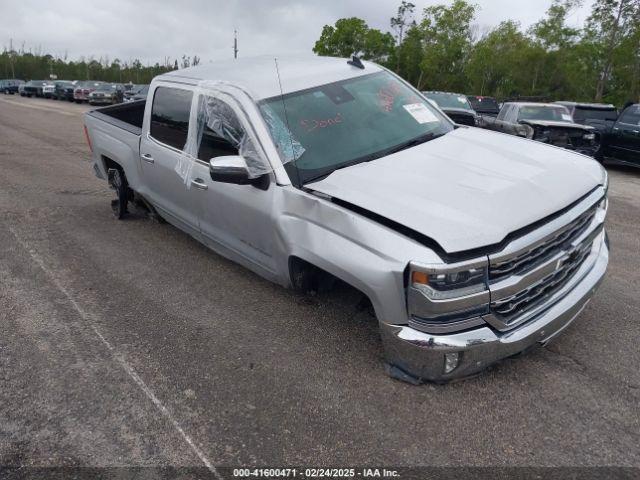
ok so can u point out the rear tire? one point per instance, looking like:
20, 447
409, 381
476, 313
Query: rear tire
118, 182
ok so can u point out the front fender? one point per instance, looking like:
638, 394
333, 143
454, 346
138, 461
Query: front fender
355, 249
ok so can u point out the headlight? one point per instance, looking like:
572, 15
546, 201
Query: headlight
589, 136
444, 285
448, 293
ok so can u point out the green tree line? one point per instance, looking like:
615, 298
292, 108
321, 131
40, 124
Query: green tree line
38, 66
443, 49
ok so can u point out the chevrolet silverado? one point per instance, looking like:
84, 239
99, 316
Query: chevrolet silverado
471, 245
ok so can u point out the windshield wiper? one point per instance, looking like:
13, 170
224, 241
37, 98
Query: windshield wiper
374, 156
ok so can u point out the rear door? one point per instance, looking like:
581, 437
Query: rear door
624, 143
161, 148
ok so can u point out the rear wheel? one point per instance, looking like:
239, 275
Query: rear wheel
118, 182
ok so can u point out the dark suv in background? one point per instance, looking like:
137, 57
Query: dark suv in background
33, 88
456, 106
136, 92
621, 142
484, 105
599, 115
63, 90
10, 86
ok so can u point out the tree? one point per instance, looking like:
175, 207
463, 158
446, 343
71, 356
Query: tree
352, 36
552, 60
502, 63
607, 26
557, 65
447, 36
400, 23
409, 56
552, 31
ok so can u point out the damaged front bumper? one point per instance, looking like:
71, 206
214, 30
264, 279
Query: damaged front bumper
417, 356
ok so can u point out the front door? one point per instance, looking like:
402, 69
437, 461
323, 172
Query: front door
624, 141
236, 220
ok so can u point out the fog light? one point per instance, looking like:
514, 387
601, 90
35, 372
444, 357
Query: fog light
451, 361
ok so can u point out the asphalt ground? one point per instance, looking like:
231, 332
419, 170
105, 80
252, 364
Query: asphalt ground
127, 343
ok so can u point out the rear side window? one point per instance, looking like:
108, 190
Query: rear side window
170, 116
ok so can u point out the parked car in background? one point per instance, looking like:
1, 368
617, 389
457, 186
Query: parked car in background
137, 91
470, 246
33, 88
600, 116
64, 90
141, 94
9, 86
107, 94
484, 105
621, 143
48, 89
547, 123
83, 89
592, 114
456, 106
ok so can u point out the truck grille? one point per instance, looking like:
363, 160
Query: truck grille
536, 294
539, 254
560, 255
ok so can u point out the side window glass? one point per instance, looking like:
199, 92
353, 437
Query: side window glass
631, 116
221, 133
510, 114
170, 116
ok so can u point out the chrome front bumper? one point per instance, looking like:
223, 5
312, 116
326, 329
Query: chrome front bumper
416, 356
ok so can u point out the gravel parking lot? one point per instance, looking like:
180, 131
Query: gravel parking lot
129, 343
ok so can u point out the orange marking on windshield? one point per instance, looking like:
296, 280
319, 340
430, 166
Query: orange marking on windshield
313, 124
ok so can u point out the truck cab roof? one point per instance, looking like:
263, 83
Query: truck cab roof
259, 76
594, 106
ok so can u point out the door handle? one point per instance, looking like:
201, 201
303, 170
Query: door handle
147, 158
199, 183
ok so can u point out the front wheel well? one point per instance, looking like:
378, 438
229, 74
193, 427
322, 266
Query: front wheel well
308, 278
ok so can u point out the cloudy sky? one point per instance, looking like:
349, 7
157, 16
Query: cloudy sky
151, 30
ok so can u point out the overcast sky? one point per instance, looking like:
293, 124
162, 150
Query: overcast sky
152, 29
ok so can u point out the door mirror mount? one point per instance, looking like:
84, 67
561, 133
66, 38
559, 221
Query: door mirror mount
233, 169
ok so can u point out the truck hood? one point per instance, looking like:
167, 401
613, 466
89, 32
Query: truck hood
547, 123
467, 189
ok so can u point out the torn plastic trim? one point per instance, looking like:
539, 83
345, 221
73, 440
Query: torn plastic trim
229, 111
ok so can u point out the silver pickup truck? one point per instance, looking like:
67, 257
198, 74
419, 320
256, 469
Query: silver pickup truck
471, 245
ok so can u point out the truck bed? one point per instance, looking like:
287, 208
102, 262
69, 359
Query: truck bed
127, 116
114, 133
